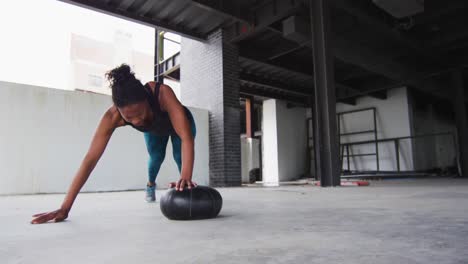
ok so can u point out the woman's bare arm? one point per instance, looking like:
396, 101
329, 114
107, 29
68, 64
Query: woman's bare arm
181, 125
102, 135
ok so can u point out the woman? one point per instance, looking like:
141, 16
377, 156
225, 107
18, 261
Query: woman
152, 109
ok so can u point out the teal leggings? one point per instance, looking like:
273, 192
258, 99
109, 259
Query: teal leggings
156, 146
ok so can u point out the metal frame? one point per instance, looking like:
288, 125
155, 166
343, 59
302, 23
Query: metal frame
338, 116
396, 141
169, 65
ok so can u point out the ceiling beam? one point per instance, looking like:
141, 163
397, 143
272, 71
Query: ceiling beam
444, 38
439, 9
274, 85
297, 66
378, 62
261, 17
350, 101
421, 82
302, 74
273, 88
143, 9
348, 90
262, 62
352, 52
376, 24
300, 70
285, 49
371, 90
225, 8
382, 95
124, 14
246, 90
351, 72
383, 29
125, 4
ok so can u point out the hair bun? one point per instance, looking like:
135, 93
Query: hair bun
120, 74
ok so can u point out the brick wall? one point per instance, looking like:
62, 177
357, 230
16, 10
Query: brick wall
210, 80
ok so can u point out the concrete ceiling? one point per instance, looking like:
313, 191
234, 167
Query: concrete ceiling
373, 50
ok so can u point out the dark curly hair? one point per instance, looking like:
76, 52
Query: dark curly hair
126, 89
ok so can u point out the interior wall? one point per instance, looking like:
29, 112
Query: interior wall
393, 120
284, 142
45, 133
436, 151
250, 148
292, 141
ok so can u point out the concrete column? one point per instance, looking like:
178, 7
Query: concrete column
270, 159
210, 80
461, 120
284, 142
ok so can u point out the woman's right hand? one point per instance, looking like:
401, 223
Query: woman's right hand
57, 215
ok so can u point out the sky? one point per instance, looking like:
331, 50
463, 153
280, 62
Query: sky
35, 42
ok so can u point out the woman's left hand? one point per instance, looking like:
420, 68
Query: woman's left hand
181, 183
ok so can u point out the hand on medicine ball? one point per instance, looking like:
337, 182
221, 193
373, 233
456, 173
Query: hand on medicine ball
181, 183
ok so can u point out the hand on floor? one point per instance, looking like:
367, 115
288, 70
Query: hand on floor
57, 215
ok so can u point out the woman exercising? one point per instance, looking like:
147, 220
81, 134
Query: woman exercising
152, 109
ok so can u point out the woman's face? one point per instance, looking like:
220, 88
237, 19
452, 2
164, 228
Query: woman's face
139, 114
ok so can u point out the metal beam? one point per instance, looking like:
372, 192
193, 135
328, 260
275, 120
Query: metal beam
225, 8
423, 82
354, 92
377, 25
262, 17
152, 22
382, 95
307, 77
145, 8
125, 4
351, 73
274, 88
278, 52
381, 28
353, 52
326, 143
349, 90
248, 90
350, 101
462, 44
438, 9
444, 38
373, 87
274, 85
377, 62
261, 56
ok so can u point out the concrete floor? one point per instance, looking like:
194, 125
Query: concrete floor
395, 221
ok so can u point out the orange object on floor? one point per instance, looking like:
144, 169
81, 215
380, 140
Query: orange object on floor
350, 183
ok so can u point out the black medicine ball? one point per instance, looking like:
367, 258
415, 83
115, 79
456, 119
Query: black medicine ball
200, 202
